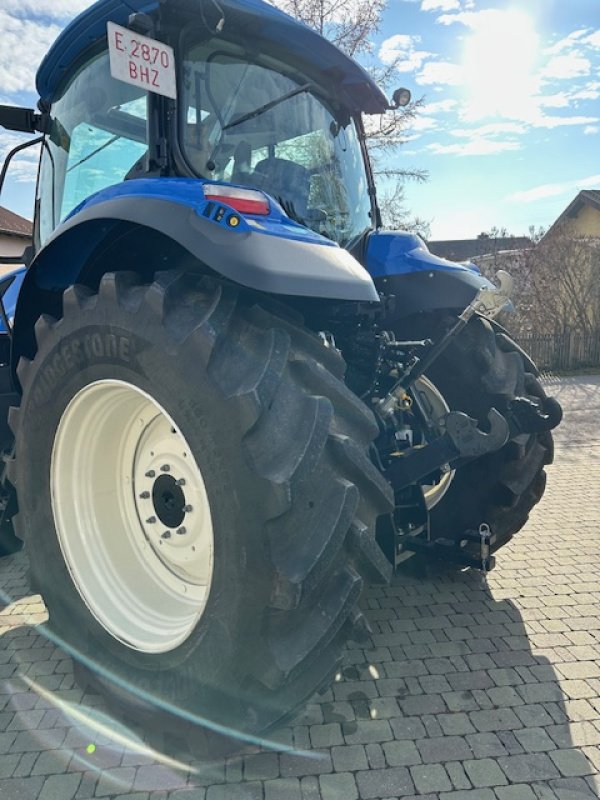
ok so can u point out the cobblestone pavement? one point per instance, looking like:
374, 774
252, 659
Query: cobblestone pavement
471, 689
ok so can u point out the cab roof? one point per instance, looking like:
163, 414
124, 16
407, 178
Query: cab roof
270, 29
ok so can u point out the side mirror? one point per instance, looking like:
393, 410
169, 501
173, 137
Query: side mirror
401, 98
18, 119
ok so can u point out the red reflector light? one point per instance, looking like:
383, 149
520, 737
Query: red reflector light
245, 201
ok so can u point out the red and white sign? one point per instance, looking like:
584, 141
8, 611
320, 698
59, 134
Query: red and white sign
141, 61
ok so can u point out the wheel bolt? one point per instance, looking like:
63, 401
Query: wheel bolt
180, 482
151, 520
188, 509
165, 468
145, 496
150, 474
166, 535
181, 531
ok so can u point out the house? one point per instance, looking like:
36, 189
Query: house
581, 218
15, 233
474, 249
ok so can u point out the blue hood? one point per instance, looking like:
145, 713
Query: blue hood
268, 28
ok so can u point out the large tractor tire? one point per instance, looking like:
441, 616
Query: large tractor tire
483, 368
197, 503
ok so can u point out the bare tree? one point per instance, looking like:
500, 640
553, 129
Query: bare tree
351, 25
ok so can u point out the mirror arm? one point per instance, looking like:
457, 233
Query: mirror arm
13, 153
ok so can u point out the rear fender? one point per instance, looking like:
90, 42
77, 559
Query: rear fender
269, 253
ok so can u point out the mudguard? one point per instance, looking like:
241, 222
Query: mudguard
402, 266
10, 286
268, 253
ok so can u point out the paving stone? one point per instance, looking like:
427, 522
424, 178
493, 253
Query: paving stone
458, 776
232, 791
21, 789
117, 779
8, 765
366, 731
261, 766
528, 767
294, 766
500, 719
534, 740
350, 758
60, 787
384, 783
401, 754
469, 794
25, 765
484, 772
283, 789
430, 778
375, 756
457, 724
444, 748
573, 789
51, 762
157, 776
518, 791
485, 745
326, 735
532, 715
341, 786
571, 763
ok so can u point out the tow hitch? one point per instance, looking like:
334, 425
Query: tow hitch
456, 552
462, 439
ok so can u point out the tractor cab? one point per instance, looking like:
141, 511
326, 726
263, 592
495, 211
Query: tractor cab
272, 107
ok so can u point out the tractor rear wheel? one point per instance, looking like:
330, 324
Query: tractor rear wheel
197, 502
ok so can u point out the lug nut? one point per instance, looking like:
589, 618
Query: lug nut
180, 482
188, 509
165, 468
150, 474
181, 531
166, 535
145, 496
150, 520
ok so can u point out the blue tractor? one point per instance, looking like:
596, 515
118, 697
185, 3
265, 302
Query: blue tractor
231, 398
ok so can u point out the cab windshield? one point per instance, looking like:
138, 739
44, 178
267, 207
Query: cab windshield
251, 123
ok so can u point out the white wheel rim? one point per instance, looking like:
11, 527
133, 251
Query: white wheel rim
437, 409
132, 516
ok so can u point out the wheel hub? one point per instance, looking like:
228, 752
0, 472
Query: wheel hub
169, 501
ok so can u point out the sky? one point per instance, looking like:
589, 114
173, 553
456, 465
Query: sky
509, 131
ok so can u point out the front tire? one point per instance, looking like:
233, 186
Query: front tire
222, 597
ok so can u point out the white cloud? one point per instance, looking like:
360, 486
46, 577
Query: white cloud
474, 147
24, 43
441, 72
558, 100
559, 122
493, 129
593, 40
554, 189
566, 43
440, 5
429, 109
590, 130
23, 168
569, 66
55, 9
402, 50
